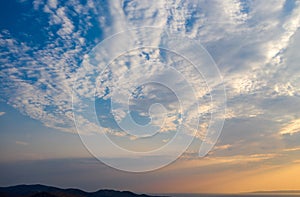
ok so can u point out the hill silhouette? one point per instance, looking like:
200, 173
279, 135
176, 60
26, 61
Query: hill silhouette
48, 191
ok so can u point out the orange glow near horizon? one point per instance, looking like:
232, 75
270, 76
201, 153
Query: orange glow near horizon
264, 178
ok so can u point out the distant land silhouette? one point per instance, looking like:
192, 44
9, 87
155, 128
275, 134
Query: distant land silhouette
47, 191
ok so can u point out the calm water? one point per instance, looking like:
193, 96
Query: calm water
236, 195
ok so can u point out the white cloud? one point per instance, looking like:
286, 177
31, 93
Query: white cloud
2, 113
52, 4
248, 40
67, 25
291, 128
48, 97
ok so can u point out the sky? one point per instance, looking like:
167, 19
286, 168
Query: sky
170, 96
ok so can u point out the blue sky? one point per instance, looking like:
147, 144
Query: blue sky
48, 48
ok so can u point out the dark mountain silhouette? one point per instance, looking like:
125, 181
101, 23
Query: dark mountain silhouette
47, 191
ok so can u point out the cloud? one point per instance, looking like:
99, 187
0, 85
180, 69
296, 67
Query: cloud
254, 44
291, 128
297, 161
291, 149
190, 161
38, 81
2, 113
237, 35
223, 147
52, 4
21, 143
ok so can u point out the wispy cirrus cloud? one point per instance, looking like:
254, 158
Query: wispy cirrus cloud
22, 143
291, 128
